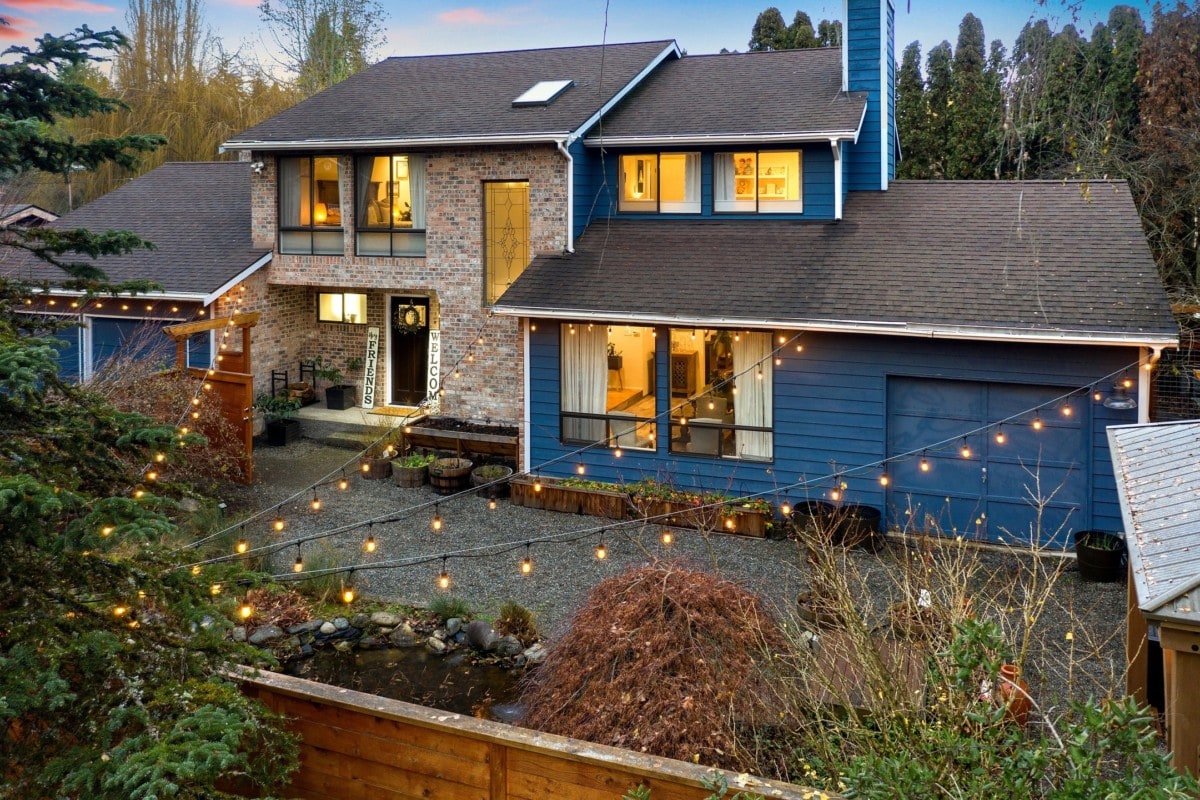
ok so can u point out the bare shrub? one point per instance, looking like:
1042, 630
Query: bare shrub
661, 659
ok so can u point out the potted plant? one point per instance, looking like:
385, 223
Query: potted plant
1100, 555
449, 475
491, 480
411, 471
339, 395
279, 412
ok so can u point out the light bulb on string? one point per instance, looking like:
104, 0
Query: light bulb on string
785, 508
492, 502
436, 522
1097, 395
617, 452
315, 505
526, 562
242, 545
120, 611
1000, 437
369, 543
195, 569
835, 494
924, 462
778, 361
1037, 422
667, 536
537, 482
965, 450
444, 578
884, 480
214, 589
246, 610
279, 524
1126, 382
107, 530
580, 468
298, 564
730, 523
348, 589
601, 550
1066, 409
343, 482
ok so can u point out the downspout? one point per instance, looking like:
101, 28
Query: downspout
836, 146
1150, 357
562, 148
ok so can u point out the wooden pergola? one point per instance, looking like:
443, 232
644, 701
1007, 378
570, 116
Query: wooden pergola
231, 377
1159, 489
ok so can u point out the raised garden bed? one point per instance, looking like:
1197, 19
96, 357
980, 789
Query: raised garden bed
463, 437
554, 496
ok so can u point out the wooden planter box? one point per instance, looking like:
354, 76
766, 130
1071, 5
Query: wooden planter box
743, 522
569, 499
462, 441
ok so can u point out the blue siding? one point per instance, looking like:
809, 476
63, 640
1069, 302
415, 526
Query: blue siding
864, 74
593, 200
831, 408
893, 140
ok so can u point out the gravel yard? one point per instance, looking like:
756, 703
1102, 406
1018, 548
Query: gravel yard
1076, 647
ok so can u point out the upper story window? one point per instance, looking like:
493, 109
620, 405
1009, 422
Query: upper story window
390, 205
310, 205
666, 183
505, 235
767, 182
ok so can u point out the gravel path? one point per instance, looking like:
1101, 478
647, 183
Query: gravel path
1076, 646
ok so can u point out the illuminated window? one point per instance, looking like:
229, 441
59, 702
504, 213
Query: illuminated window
310, 207
390, 203
342, 307
768, 182
608, 379
667, 183
505, 235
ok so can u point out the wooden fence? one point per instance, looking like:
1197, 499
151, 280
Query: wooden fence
358, 746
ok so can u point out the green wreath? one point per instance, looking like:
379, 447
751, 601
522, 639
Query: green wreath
408, 319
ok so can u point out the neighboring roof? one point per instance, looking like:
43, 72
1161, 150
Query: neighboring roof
197, 215
1034, 260
26, 215
460, 98
1159, 490
783, 94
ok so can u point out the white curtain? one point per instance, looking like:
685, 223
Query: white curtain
723, 173
584, 379
752, 404
293, 192
416, 183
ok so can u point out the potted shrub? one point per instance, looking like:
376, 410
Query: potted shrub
491, 480
412, 470
279, 412
449, 475
339, 395
1100, 555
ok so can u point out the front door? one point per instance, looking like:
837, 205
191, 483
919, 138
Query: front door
409, 359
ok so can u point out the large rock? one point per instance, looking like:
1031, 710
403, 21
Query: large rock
328, 629
435, 645
266, 634
453, 625
306, 627
482, 636
509, 646
341, 623
535, 653
403, 636
238, 634
386, 619
360, 620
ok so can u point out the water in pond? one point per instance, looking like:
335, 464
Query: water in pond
415, 675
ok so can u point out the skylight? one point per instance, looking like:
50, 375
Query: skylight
542, 93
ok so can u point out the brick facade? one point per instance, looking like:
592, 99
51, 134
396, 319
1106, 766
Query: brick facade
490, 386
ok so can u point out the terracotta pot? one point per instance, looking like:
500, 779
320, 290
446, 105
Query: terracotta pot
1017, 700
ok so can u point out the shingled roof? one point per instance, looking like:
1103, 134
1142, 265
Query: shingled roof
460, 98
967, 259
788, 94
196, 214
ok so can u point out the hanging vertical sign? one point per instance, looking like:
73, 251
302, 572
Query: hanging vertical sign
370, 368
434, 383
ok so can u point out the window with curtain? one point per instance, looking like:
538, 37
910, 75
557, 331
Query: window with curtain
608, 385
758, 182
390, 205
665, 183
310, 205
722, 393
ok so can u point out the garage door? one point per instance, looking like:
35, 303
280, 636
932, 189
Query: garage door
1034, 484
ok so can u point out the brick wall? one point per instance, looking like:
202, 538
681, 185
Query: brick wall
451, 274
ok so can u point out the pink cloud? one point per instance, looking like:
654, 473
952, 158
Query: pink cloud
471, 16
59, 5
17, 27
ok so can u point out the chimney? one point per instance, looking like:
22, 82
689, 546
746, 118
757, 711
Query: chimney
869, 67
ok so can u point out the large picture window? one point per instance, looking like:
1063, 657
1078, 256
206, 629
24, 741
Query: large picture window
310, 207
721, 393
608, 379
344, 307
666, 183
390, 205
768, 182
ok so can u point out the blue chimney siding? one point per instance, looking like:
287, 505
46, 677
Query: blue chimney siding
870, 68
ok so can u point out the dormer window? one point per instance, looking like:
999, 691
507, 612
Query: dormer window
660, 183
390, 205
763, 182
310, 206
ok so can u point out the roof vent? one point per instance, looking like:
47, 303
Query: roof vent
542, 93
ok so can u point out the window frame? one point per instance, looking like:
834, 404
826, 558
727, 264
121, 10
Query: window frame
315, 233
343, 320
579, 420
485, 261
731, 205
692, 168
394, 233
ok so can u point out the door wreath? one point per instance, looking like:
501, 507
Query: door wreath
409, 319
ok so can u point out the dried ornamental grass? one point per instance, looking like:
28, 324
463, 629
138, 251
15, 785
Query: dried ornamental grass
661, 659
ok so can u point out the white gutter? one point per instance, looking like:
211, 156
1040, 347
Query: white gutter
363, 144
1150, 356
526, 413
837, 178
185, 297
562, 148
626, 89
212, 297
720, 138
850, 326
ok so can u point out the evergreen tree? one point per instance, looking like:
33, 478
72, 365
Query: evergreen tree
829, 33
940, 99
769, 31
912, 116
800, 33
110, 654
972, 107
1023, 129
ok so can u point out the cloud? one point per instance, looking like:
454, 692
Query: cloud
17, 27
60, 5
472, 16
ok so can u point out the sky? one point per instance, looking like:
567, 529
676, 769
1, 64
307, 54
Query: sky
699, 26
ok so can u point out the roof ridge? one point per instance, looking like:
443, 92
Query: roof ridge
663, 42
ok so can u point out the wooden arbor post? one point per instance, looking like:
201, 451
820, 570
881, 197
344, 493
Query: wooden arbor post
231, 377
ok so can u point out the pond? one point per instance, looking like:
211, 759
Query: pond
414, 675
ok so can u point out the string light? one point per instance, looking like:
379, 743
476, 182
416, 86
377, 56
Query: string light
279, 524
1097, 395
343, 483
160, 457
107, 530
667, 537
444, 578
601, 550
215, 589
491, 502
316, 502
436, 522
580, 468
246, 610
1037, 422
965, 450
537, 482
242, 545
1126, 382
799, 348
924, 462
348, 589
835, 494
884, 480
526, 562
730, 523
298, 564
369, 543
1000, 437
120, 611
195, 569
617, 452
785, 508
1067, 410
